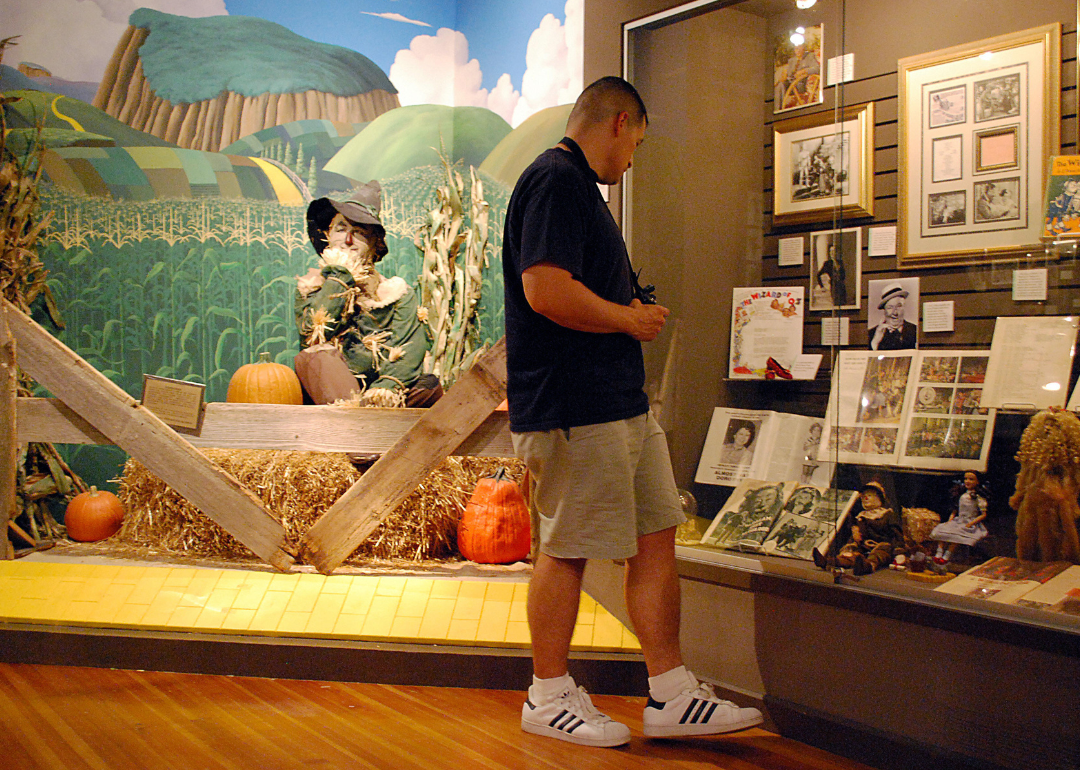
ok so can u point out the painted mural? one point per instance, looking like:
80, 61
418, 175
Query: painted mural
184, 138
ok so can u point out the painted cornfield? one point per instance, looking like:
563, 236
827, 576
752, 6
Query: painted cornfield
193, 289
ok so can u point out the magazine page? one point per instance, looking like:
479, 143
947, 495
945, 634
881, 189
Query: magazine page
947, 427
866, 406
810, 519
748, 515
1060, 593
1003, 579
795, 447
737, 446
766, 331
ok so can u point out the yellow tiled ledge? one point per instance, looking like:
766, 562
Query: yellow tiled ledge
360, 607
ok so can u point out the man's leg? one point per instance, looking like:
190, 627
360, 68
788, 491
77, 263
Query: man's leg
653, 600
554, 594
556, 706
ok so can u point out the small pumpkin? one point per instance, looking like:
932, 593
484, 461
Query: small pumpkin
264, 382
93, 515
494, 528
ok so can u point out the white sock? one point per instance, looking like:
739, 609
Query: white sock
670, 684
546, 690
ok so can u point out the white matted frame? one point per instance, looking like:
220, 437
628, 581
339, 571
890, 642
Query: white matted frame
822, 168
1002, 98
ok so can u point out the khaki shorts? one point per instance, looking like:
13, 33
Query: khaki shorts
598, 488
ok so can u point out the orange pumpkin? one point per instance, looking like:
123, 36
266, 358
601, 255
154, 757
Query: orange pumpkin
495, 526
264, 382
93, 516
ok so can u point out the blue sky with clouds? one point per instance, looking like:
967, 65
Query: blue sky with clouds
497, 31
464, 53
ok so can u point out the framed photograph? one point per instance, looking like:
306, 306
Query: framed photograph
997, 102
797, 70
822, 168
836, 269
892, 315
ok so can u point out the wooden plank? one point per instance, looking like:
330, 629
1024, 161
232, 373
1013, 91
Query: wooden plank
271, 426
143, 435
9, 447
394, 475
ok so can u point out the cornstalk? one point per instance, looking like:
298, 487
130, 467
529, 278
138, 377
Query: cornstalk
450, 278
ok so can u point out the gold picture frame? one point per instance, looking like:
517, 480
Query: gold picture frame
823, 166
989, 93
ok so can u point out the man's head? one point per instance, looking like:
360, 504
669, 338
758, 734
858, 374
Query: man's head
350, 222
608, 121
893, 300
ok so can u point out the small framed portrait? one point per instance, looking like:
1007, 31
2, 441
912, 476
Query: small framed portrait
821, 167
797, 70
836, 269
893, 314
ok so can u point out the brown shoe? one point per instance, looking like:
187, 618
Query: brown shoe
862, 565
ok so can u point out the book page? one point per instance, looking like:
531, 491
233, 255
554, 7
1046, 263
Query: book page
748, 515
810, 519
866, 406
1030, 362
737, 446
946, 425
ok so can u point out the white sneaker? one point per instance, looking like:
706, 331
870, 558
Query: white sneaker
572, 717
697, 711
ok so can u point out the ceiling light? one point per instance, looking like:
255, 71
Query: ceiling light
804, 4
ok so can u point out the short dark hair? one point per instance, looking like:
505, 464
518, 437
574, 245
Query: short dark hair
606, 97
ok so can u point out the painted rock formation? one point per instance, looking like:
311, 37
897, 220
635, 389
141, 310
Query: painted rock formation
204, 83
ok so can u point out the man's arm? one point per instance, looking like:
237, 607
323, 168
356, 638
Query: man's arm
555, 294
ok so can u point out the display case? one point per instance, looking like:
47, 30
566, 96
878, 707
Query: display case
827, 160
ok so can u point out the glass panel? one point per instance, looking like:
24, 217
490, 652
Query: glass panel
862, 182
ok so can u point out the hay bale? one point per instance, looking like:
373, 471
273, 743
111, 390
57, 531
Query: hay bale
297, 488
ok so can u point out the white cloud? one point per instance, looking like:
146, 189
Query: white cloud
553, 64
437, 70
46, 38
396, 17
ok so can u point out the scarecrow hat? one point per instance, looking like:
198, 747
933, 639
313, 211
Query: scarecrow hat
361, 207
894, 290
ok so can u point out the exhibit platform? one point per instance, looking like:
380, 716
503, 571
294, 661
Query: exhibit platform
390, 628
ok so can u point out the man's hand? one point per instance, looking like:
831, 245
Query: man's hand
555, 294
646, 320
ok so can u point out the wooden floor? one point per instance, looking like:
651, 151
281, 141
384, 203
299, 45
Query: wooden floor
67, 718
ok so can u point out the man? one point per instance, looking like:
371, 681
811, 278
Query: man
894, 332
580, 419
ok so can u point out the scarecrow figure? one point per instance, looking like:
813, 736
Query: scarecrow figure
363, 335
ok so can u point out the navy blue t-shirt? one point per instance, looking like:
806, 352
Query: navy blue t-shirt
559, 377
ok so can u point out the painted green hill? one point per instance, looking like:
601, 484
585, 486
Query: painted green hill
520, 147
65, 119
189, 60
410, 136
